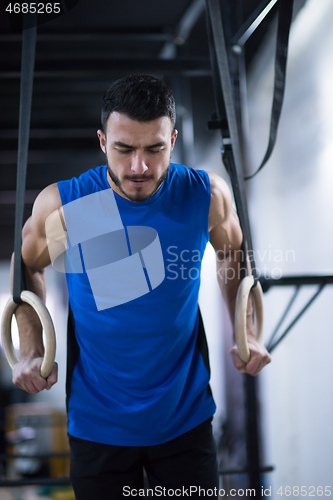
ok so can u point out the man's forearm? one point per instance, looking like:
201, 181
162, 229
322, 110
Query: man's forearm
29, 326
229, 275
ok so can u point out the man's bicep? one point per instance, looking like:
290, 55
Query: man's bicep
34, 247
225, 232
227, 236
35, 251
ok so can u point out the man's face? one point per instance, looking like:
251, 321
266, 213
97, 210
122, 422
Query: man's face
138, 154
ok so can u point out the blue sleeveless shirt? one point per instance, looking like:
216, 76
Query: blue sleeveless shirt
138, 369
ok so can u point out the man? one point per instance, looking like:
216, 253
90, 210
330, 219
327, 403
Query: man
134, 232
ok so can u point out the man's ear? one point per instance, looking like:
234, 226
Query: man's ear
102, 140
173, 138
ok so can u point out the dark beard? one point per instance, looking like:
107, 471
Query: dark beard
138, 198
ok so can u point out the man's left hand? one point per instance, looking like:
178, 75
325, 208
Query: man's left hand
260, 357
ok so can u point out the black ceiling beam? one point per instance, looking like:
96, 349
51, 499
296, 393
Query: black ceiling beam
57, 99
67, 89
49, 170
93, 37
72, 87
187, 66
184, 28
9, 197
51, 133
97, 53
252, 23
51, 156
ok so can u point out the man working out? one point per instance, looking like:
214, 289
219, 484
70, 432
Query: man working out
134, 233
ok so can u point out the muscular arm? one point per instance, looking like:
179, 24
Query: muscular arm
226, 238
26, 374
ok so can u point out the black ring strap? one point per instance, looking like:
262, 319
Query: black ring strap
27, 74
284, 23
226, 108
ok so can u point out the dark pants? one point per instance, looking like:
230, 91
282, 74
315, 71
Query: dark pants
186, 466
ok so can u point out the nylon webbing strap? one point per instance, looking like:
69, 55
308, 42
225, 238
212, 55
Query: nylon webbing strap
284, 23
27, 73
232, 155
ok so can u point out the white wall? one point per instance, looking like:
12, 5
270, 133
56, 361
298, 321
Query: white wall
291, 209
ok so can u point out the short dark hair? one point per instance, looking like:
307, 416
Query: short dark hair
140, 97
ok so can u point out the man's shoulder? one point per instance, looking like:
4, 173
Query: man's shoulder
88, 182
54, 196
221, 200
189, 173
219, 187
48, 199
47, 202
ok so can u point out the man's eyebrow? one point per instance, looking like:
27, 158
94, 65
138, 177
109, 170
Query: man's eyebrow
127, 146
157, 145
122, 145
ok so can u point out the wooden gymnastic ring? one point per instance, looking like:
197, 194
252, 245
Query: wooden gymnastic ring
247, 286
48, 328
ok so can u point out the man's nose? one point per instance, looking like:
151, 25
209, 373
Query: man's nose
139, 166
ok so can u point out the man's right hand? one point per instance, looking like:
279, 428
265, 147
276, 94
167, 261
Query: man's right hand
26, 375
35, 254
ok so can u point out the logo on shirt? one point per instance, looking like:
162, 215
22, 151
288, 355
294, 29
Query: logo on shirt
122, 263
